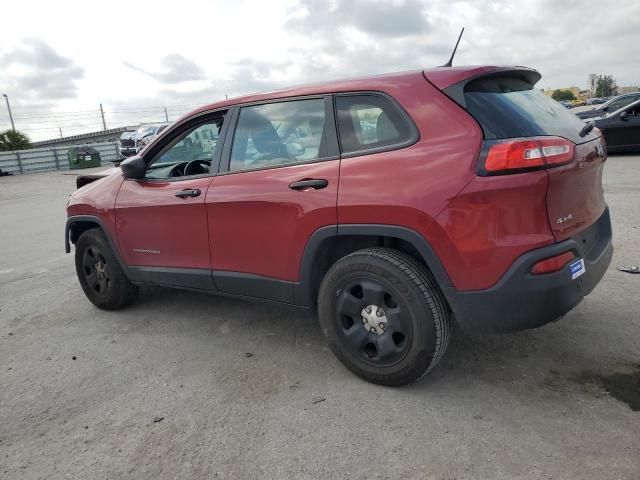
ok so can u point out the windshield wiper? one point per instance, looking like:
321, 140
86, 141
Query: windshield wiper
587, 128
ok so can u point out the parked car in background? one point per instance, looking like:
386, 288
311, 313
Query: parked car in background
126, 145
609, 106
378, 201
566, 103
132, 143
621, 129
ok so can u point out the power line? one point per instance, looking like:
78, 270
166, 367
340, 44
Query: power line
67, 127
94, 112
30, 122
44, 123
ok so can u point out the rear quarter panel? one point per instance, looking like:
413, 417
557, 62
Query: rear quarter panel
493, 221
410, 186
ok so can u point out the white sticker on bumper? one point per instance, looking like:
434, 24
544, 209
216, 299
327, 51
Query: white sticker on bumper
577, 268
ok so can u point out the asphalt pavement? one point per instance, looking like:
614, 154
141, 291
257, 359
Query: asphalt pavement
187, 385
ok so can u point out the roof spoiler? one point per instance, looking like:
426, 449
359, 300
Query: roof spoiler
455, 91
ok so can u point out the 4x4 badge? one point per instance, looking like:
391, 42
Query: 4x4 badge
565, 219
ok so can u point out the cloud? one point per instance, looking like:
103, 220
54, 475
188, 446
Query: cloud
291, 42
345, 38
341, 38
174, 69
35, 72
375, 17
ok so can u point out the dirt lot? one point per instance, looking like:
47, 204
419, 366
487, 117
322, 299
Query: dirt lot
185, 385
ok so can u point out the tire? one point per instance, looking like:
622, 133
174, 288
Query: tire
383, 316
101, 277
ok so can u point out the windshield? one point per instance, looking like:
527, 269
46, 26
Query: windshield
144, 131
511, 108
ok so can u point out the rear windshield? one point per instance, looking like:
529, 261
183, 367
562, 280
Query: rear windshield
510, 107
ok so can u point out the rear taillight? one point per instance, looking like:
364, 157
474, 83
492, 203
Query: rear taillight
525, 154
552, 264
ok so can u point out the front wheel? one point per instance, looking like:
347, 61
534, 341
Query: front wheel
101, 277
383, 316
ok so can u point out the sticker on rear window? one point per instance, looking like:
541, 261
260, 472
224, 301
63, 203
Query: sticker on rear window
577, 268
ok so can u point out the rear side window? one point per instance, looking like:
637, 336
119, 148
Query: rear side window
371, 122
511, 108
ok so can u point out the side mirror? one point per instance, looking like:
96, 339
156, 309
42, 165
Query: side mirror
624, 115
133, 167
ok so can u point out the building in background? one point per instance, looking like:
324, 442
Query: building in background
111, 135
628, 89
591, 84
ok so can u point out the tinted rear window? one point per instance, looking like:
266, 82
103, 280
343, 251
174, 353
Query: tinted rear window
510, 107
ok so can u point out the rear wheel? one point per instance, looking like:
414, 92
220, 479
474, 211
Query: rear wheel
383, 316
101, 277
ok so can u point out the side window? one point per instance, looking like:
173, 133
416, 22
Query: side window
189, 154
276, 134
370, 121
618, 104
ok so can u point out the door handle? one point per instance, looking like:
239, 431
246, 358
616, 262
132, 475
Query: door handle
188, 192
309, 183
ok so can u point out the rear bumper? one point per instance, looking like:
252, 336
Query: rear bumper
128, 151
520, 300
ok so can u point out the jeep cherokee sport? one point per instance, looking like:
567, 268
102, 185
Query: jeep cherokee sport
392, 204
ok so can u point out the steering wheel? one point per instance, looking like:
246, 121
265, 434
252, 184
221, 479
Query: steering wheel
202, 165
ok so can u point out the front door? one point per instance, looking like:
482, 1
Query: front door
278, 184
161, 219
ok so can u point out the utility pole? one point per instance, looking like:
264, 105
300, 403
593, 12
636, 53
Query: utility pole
104, 124
59, 128
166, 115
13, 127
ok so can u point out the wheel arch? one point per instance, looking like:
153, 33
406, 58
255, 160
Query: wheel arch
78, 224
328, 244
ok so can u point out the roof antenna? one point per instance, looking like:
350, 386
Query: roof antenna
450, 62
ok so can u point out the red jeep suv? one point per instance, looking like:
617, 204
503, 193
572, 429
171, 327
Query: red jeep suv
392, 204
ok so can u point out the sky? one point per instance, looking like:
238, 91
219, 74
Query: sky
60, 60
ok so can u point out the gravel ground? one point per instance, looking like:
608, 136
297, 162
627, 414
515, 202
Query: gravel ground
186, 385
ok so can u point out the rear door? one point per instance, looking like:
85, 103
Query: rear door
575, 199
278, 184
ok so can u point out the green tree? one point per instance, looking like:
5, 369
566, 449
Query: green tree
13, 140
606, 86
563, 95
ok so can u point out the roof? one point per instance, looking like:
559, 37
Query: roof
314, 89
441, 77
